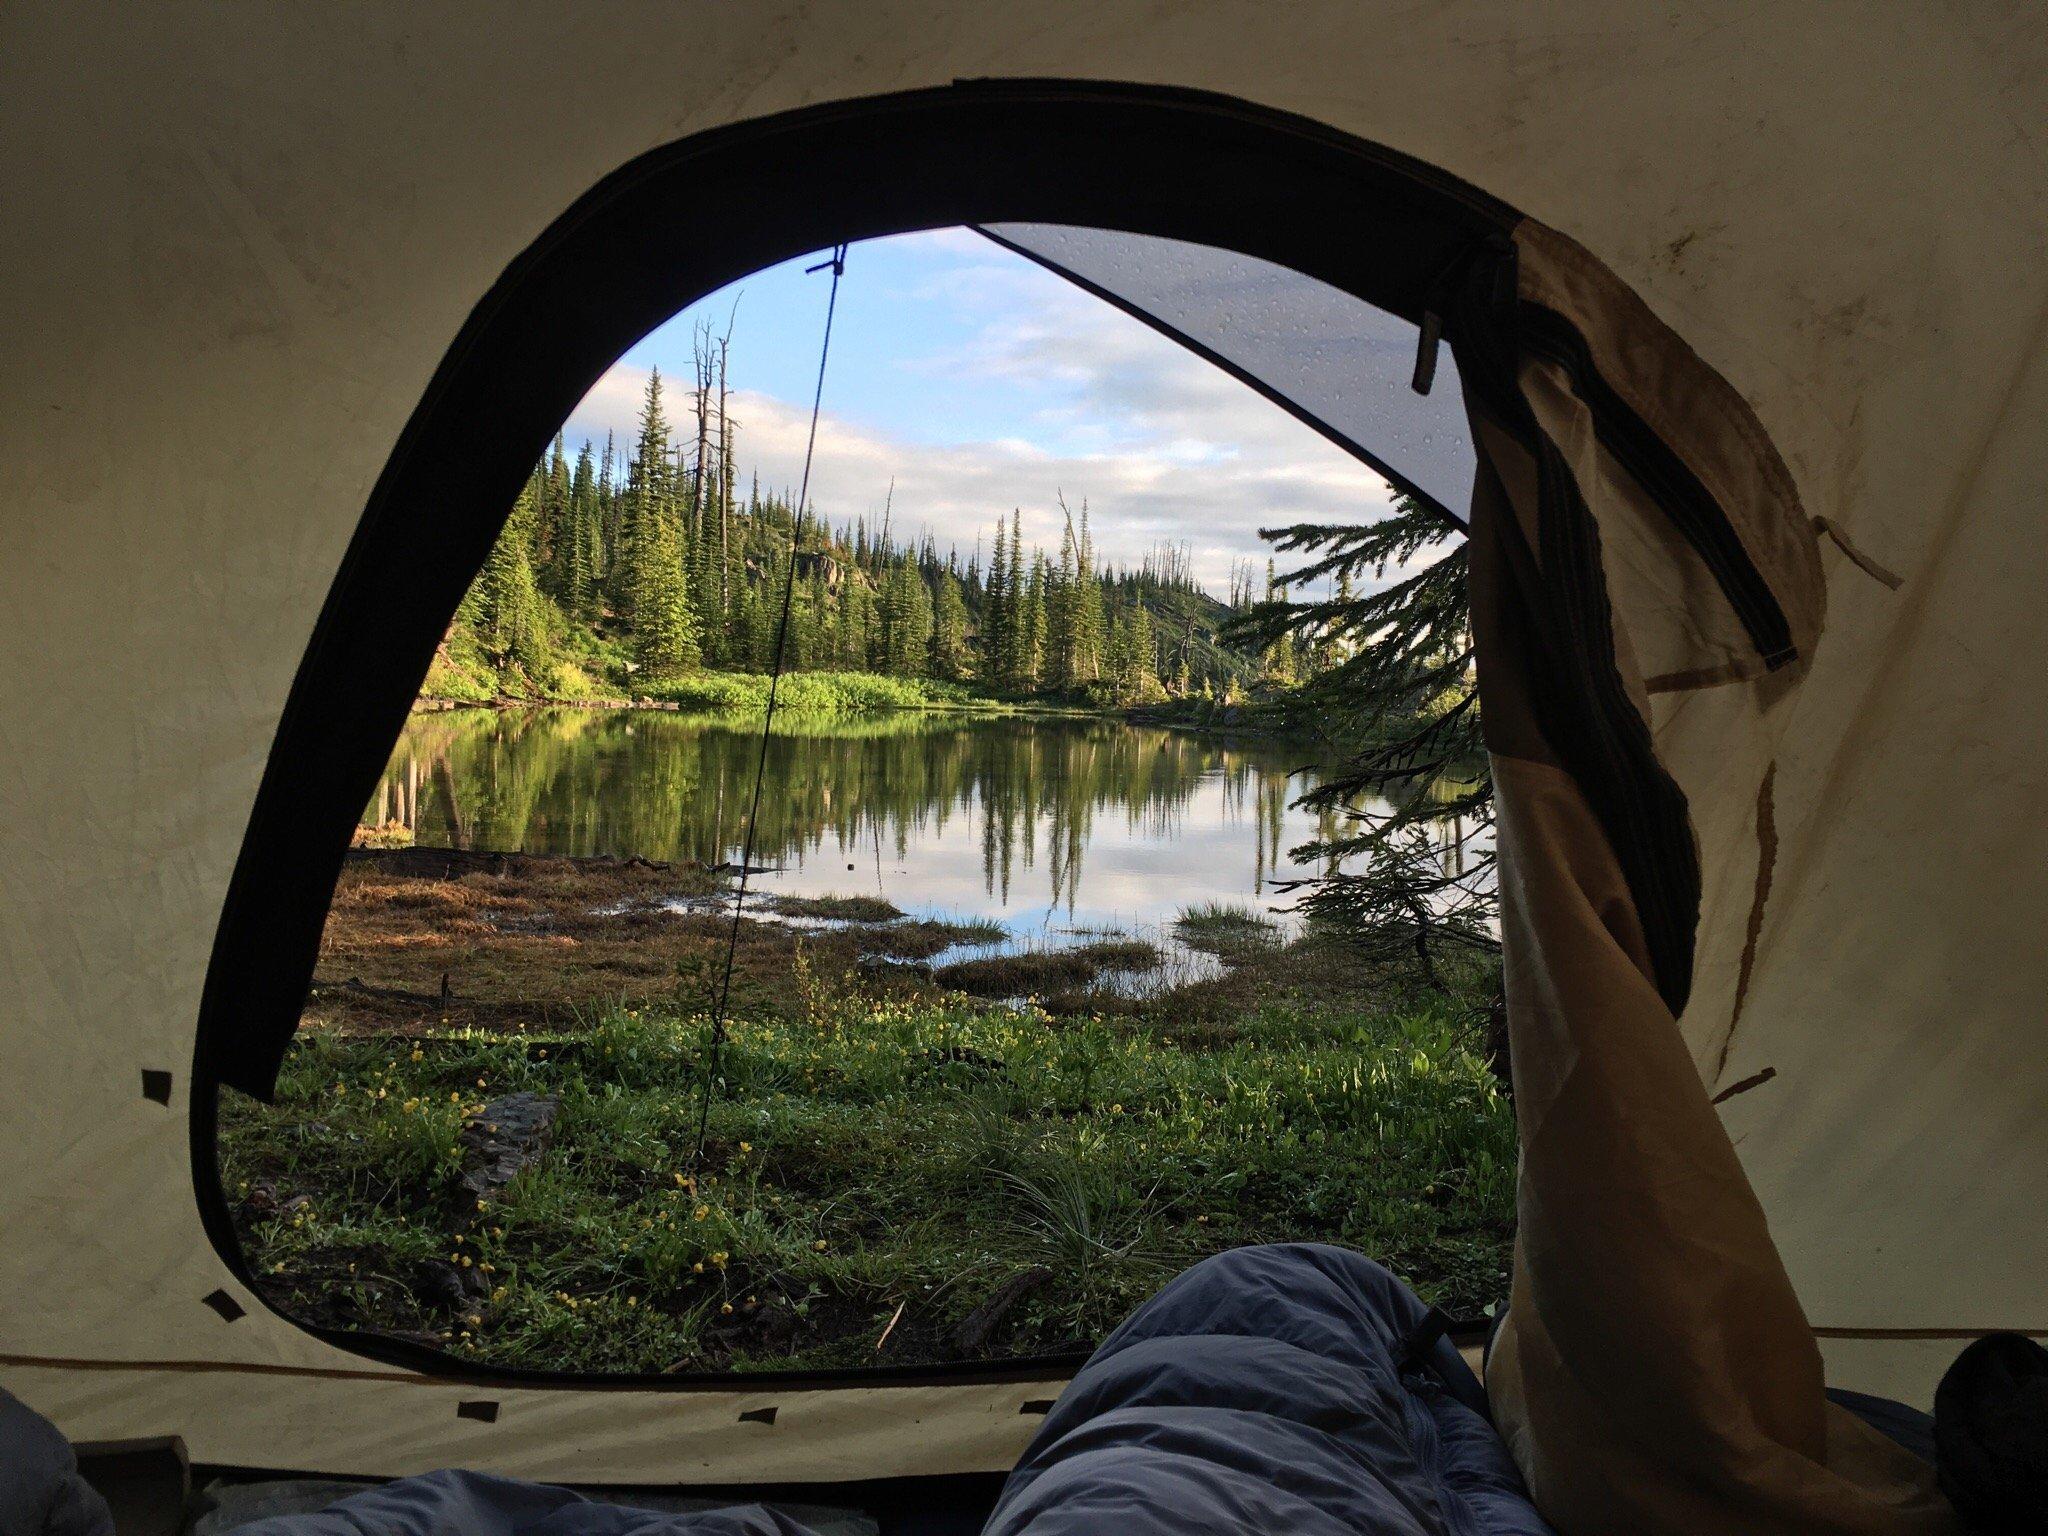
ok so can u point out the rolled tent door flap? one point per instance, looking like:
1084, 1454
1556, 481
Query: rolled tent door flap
1631, 527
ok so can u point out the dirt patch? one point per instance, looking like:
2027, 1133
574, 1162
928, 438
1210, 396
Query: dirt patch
432, 939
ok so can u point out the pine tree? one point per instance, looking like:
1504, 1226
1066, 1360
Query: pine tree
1400, 698
995, 638
1090, 625
582, 566
1019, 643
1144, 647
664, 627
509, 614
647, 498
952, 660
1277, 660
551, 532
1031, 632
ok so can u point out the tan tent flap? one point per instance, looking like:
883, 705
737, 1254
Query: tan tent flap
1655, 1372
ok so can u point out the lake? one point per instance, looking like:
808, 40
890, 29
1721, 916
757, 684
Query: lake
1053, 827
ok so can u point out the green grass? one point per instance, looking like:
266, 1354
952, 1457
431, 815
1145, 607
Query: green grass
809, 693
1226, 929
862, 1156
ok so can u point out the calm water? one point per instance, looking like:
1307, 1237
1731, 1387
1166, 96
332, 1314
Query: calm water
1048, 826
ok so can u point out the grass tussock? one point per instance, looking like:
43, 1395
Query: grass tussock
838, 909
1042, 973
1227, 930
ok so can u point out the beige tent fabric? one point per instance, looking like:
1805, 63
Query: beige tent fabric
253, 236
1656, 1373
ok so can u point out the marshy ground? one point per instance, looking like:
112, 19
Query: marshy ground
485, 1137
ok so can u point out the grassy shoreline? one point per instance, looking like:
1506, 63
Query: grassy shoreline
829, 693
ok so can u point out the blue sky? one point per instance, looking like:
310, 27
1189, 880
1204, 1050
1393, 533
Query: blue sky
980, 382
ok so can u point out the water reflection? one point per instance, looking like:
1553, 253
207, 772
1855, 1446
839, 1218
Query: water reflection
1081, 822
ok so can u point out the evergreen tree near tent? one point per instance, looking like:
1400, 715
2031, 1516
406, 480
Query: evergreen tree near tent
1399, 700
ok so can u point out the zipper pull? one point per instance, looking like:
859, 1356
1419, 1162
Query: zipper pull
1425, 352
1507, 275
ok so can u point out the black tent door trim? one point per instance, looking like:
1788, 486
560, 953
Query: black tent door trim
1181, 165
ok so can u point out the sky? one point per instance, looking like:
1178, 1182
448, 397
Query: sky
980, 382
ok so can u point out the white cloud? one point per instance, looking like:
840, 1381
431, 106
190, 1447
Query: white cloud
1161, 445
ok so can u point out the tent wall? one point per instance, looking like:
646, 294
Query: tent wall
240, 242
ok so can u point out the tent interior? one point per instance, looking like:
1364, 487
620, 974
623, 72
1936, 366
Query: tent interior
1721, 336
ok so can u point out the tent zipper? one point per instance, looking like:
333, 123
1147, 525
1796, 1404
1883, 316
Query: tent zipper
1670, 483
1591, 719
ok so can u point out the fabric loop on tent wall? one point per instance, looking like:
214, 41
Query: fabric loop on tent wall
1760, 897
1754, 1080
156, 1085
1863, 562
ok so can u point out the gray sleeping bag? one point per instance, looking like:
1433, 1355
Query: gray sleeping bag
1291, 1388
479, 1504
41, 1493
